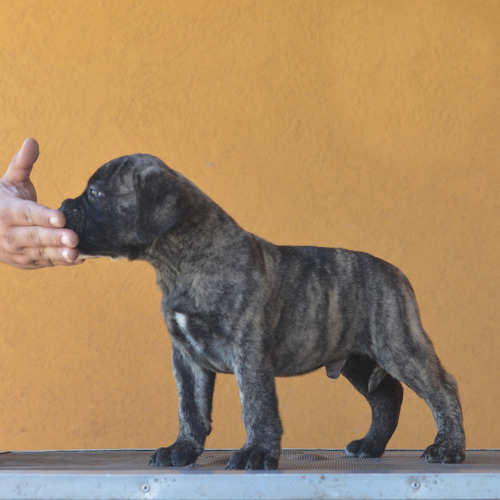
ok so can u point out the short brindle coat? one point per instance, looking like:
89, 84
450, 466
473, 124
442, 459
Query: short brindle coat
235, 303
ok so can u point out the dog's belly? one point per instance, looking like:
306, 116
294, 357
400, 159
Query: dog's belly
215, 351
307, 339
305, 358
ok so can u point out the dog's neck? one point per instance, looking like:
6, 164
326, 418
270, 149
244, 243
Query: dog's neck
210, 233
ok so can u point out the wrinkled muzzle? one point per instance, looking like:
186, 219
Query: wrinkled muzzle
77, 221
72, 213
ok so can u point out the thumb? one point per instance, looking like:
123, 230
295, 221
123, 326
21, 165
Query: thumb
20, 167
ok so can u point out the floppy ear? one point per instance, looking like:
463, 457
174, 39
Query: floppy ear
161, 203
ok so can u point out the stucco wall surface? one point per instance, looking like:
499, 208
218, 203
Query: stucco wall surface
370, 125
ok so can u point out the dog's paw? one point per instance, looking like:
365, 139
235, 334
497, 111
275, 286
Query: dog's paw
252, 459
177, 455
443, 454
364, 448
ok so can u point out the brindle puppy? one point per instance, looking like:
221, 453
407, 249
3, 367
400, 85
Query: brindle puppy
234, 303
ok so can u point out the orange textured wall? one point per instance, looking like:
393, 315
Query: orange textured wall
367, 125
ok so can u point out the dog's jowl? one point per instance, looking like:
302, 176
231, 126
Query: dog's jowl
235, 303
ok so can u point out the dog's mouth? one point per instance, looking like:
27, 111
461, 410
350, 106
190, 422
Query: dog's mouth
82, 255
85, 256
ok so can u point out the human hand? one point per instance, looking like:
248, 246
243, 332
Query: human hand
32, 236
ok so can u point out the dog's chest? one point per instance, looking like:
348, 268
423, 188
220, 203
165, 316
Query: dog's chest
202, 338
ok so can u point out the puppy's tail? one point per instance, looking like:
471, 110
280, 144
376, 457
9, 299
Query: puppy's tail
378, 374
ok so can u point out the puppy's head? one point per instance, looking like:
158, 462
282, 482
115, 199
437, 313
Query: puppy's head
128, 203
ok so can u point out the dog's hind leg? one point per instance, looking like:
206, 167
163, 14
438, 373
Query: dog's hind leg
403, 349
398, 343
385, 401
421, 370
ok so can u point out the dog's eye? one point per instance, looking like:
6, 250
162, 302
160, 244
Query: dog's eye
95, 193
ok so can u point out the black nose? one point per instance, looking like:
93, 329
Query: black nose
69, 208
66, 206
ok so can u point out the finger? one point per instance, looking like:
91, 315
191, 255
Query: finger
60, 256
36, 258
21, 237
21, 165
29, 213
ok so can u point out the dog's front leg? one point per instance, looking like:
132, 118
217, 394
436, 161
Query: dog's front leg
259, 405
195, 386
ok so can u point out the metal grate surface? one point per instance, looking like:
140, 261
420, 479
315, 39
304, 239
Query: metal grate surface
215, 460
100, 474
